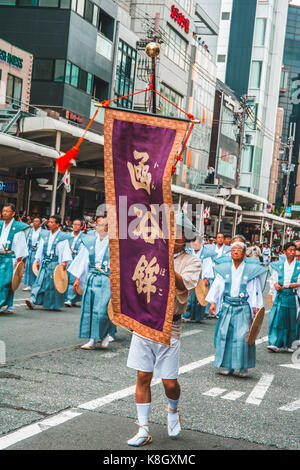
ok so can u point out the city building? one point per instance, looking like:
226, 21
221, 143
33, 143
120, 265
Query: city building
224, 148
84, 52
290, 101
249, 54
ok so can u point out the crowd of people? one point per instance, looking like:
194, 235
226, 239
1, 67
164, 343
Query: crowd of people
233, 271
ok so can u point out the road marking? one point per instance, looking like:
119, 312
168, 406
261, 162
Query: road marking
260, 389
190, 333
234, 395
33, 429
295, 405
214, 392
291, 366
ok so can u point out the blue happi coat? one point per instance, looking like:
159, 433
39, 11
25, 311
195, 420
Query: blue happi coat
72, 296
283, 328
7, 259
94, 321
43, 291
29, 276
235, 319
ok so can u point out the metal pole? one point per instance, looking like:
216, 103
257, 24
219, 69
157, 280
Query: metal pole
261, 230
241, 145
271, 236
55, 176
290, 147
28, 197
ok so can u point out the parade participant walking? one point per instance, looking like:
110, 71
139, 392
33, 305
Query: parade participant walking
33, 239
208, 256
75, 243
194, 311
158, 360
266, 254
53, 250
13, 248
238, 290
285, 288
91, 268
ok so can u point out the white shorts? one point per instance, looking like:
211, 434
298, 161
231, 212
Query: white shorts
147, 356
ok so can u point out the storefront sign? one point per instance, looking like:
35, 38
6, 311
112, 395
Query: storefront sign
180, 19
8, 187
11, 59
73, 117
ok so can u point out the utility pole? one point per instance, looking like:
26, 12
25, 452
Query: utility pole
290, 146
152, 51
243, 116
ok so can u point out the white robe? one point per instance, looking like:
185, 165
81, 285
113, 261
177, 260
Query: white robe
19, 245
208, 264
80, 265
62, 251
288, 272
254, 290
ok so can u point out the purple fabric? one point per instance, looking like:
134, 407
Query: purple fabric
157, 142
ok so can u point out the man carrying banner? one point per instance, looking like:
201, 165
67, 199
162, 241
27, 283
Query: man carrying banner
75, 243
33, 239
91, 267
13, 248
237, 293
53, 250
158, 360
285, 289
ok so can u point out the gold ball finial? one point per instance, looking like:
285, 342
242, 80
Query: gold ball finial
152, 49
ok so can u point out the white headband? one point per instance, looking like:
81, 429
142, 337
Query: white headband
241, 244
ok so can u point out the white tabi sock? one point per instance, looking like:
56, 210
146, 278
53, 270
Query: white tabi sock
143, 412
174, 427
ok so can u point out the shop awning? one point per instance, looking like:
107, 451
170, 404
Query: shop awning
245, 198
198, 196
257, 217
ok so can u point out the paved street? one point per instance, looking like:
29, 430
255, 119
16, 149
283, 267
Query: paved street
55, 396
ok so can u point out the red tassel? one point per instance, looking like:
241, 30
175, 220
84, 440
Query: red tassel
65, 162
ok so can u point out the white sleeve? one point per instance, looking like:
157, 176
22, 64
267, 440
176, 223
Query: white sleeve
216, 292
255, 293
19, 245
39, 251
80, 264
63, 251
207, 269
273, 280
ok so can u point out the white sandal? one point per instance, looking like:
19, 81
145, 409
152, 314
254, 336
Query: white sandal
139, 441
174, 429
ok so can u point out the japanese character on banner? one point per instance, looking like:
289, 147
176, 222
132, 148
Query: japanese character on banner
145, 276
139, 174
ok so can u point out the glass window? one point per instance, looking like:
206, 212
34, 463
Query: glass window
68, 72
7, 2
27, 3
59, 70
260, 32
80, 7
42, 69
74, 75
95, 15
82, 82
89, 83
247, 159
88, 14
74, 5
166, 108
221, 58
225, 15
48, 3
65, 4
176, 48
255, 74
13, 89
